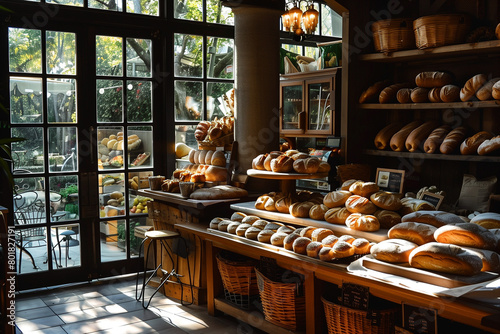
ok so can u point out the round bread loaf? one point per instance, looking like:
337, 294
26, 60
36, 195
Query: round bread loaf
301, 209
347, 184
241, 229
208, 157
320, 233
360, 204
286, 229
418, 233
289, 239
465, 234
347, 238
282, 164
386, 200
300, 245
450, 93
446, 258
361, 222
231, 228
325, 254
342, 249
238, 216
261, 223
324, 167
364, 189
361, 246
318, 211
299, 156
387, 219
313, 248
273, 226
307, 231
216, 174
265, 236
487, 220
218, 159
223, 225
337, 215
214, 223
284, 203
252, 232
291, 152
269, 204
260, 202
250, 219
330, 240
491, 260
278, 238
306, 166
269, 158
410, 205
336, 198
434, 218
393, 250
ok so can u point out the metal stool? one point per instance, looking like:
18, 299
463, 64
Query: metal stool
162, 236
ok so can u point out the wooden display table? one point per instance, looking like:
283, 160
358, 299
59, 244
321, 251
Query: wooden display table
288, 180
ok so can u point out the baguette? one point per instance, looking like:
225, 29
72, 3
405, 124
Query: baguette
489, 146
398, 140
404, 95
434, 95
449, 93
471, 144
435, 139
472, 86
383, 137
388, 94
485, 93
419, 95
452, 140
495, 91
371, 93
418, 135
433, 79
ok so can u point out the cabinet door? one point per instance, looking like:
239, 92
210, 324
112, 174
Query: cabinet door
292, 108
319, 98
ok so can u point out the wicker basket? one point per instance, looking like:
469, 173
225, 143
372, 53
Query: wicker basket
225, 141
345, 320
353, 171
438, 30
393, 35
281, 303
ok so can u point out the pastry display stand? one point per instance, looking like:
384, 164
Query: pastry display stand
288, 180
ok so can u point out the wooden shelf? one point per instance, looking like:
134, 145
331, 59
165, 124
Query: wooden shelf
449, 51
264, 174
414, 155
443, 105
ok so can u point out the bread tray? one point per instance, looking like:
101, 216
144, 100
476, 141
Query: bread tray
420, 275
264, 174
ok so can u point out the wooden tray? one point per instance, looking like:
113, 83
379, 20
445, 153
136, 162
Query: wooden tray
264, 174
431, 277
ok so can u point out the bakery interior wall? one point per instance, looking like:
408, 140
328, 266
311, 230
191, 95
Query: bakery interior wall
359, 126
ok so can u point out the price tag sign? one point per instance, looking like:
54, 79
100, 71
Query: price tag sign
419, 319
355, 296
432, 198
390, 179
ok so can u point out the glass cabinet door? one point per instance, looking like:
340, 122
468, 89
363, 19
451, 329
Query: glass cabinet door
292, 106
319, 96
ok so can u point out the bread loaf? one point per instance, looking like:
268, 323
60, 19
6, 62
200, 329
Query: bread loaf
491, 259
337, 215
388, 94
347, 184
471, 144
466, 234
242, 228
393, 250
364, 189
485, 93
284, 203
273, 226
231, 228
219, 192
418, 233
361, 246
260, 223
252, 232
489, 220
265, 236
201, 130
269, 158
433, 142
434, 218
472, 86
318, 211
286, 229
410, 205
218, 159
301, 209
336, 198
495, 91
383, 137
387, 218
419, 134
300, 155
261, 201
277, 239
223, 225
208, 157
342, 249
404, 95
289, 240
214, 223
453, 140
398, 140
282, 164
359, 204
258, 161
299, 245
433, 79
489, 145
320, 233
360, 222
446, 258
306, 166
325, 254
434, 95
419, 95
324, 167
449, 93
313, 248
307, 231
347, 238
386, 200
238, 216
372, 93
330, 240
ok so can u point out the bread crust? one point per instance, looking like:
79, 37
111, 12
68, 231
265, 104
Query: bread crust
359, 204
360, 222
471, 144
386, 200
419, 134
436, 137
488, 146
398, 140
418, 233
393, 250
383, 137
434, 218
336, 198
466, 234
432, 79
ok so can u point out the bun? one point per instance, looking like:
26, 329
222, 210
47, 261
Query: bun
223, 225
216, 174
238, 216
364, 189
398, 140
282, 164
308, 231
371, 93
269, 204
313, 249
450, 259
269, 158
359, 204
318, 211
273, 226
300, 155
489, 145
418, 233
324, 167
433, 142
265, 236
300, 245
488, 220
320, 233
283, 204
252, 232
471, 144
472, 86
495, 91
419, 95
434, 218
306, 166
301, 209
218, 159
250, 219
387, 219
384, 136
386, 200
261, 201
241, 229
286, 229
289, 239
361, 246
342, 249
412, 204
258, 162
260, 223
325, 254
347, 238
404, 95
347, 184
485, 93
360, 222
214, 223
449, 93
393, 250
433, 79
491, 260
388, 94
434, 95
330, 240
466, 234
336, 198
337, 215
278, 238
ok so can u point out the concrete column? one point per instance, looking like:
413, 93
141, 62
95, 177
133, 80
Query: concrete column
257, 47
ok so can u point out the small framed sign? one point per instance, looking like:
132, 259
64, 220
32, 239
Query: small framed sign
390, 179
419, 319
355, 296
432, 198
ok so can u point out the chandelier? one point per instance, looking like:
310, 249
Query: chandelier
293, 20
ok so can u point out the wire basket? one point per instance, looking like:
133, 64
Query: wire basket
282, 303
345, 320
393, 35
438, 30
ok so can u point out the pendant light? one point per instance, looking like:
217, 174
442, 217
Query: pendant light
293, 20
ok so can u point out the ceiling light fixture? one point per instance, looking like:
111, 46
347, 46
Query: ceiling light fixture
293, 20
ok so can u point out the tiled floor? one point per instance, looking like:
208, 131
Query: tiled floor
109, 306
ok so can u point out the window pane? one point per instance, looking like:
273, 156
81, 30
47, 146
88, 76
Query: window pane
110, 148
146, 7
65, 246
26, 100
331, 22
220, 57
113, 246
140, 146
292, 48
139, 57
109, 101
139, 98
135, 242
219, 96
67, 187
108, 55
25, 184
312, 52
27, 155
63, 154
78, 3
188, 55
61, 52
138, 180
216, 13
188, 100
61, 100
185, 134
188, 10
115, 5
111, 192
25, 50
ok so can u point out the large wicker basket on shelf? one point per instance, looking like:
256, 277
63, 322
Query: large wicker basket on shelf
281, 303
439, 30
345, 320
393, 35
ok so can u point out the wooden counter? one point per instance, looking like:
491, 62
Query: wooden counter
176, 198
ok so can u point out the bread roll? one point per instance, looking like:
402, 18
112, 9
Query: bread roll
489, 145
307, 231
273, 226
472, 86
325, 254
284, 203
433, 142
306, 166
466, 234
347, 238
361, 246
320, 233
347, 184
419, 134
318, 211
449, 93
300, 155
231, 228
386, 200
290, 153
218, 159
418, 233
491, 259
434, 95
434, 218
261, 201
289, 239
238, 216
208, 157
252, 232
313, 249
383, 137
330, 240
301, 209
282, 164
250, 219
446, 258
299, 245
191, 155
260, 223
387, 218
393, 250
404, 95
419, 95
198, 178
337, 215
410, 205
265, 236
214, 223
359, 204
258, 161
485, 93
388, 94
241, 229
268, 159
433, 79
269, 204
398, 140
372, 93
364, 189
224, 224
336, 198
286, 229
360, 222
488, 220
342, 249
324, 167
495, 90
278, 238
471, 144
216, 174
453, 140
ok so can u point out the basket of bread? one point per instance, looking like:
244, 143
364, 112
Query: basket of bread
216, 133
291, 161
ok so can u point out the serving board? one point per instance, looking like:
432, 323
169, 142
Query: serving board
420, 275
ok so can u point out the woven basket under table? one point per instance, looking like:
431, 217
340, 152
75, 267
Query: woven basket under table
238, 276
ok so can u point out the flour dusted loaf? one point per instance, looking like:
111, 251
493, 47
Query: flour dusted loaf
489, 220
360, 204
360, 222
306, 166
387, 218
418, 233
410, 205
336, 198
282, 164
433, 217
466, 234
337, 215
489, 146
219, 192
386, 200
393, 250
491, 259
318, 211
364, 189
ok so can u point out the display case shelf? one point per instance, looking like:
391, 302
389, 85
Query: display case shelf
471, 105
415, 155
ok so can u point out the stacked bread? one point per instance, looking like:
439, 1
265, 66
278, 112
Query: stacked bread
290, 161
210, 131
319, 243
298, 204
